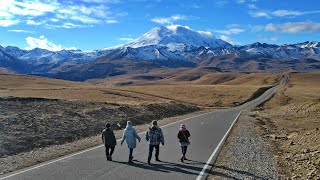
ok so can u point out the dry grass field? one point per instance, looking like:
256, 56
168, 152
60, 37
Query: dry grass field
48, 112
218, 90
39, 87
218, 96
291, 120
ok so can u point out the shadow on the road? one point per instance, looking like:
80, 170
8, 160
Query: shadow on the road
189, 161
166, 167
235, 171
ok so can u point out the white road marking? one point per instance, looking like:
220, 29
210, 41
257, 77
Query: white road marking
66, 157
217, 149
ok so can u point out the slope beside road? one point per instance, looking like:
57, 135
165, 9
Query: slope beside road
207, 134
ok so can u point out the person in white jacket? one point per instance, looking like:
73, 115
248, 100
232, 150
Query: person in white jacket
130, 135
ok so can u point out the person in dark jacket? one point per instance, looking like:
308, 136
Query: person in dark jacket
184, 142
155, 136
109, 141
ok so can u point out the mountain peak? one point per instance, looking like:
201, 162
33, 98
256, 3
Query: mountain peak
177, 34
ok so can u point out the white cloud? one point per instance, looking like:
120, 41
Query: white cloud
8, 22
111, 21
20, 31
264, 38
175, 26
32, 22
260, 14
71, 48
241, 1
43, 43
85, 19
84, 12
256, 28
205, 33
126, 39
54, 20
169, 20
102, 1
252, 6
28, 8
66, 25
280, 13
245, 1
233, 25
230, 31
294, 27
220, 3
286, 13
229, 40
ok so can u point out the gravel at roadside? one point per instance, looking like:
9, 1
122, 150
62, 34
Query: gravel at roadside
245, 155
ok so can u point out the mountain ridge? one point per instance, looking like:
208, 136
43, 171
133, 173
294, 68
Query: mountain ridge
169, 47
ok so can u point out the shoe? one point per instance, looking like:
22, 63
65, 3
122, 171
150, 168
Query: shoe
158, 160
110, 158
185, 158
181, 159
130, 161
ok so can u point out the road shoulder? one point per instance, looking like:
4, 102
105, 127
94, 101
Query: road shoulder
245, 154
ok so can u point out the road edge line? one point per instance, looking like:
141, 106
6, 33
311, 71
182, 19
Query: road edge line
217, 150
92, 148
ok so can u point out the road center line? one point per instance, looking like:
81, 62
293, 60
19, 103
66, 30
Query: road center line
83, 151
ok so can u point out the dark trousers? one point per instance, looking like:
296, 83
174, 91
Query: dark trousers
130, 154
184, 150
151, 149
109, 151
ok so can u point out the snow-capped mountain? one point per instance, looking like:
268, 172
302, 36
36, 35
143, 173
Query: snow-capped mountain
173, 46
169, 43
177, 36
291, 51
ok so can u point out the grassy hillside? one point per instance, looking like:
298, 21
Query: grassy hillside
291, 121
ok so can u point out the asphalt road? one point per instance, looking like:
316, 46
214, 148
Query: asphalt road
206, 130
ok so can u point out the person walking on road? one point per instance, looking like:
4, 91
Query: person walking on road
155, 136
184, 142
130, 135
109, 141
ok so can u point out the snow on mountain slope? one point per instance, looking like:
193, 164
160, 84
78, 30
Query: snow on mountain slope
177, 35
291, 51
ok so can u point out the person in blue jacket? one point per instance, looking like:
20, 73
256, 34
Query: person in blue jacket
130, 135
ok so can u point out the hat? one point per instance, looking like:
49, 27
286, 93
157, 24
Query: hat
154, 122
108, 125
182, 127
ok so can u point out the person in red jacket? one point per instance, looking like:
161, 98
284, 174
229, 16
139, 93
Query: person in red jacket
184, 142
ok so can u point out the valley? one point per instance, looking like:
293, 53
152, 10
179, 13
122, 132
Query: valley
162, 47
39, 114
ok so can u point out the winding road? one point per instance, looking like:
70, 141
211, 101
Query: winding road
208, 132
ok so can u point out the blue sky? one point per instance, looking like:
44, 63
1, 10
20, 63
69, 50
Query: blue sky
96, 24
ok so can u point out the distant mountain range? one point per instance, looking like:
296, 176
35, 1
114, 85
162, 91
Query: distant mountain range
162, 47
